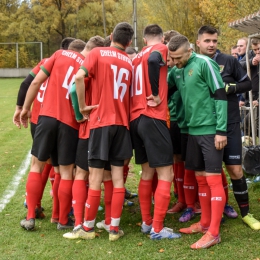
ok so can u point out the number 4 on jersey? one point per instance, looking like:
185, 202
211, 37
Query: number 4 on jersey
66, 79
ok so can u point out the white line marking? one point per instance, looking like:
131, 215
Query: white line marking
13, 185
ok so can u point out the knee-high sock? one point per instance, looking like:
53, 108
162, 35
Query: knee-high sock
180, 181
205, 201
52, 176
126, 169
225, 184
45, 175
117, 207
55, 201
155, 182
218, 201
91, 208
107, 199
33, 192
65, 200
79, 195
190, 188
175, 171
241, 194
162, 200
145, 196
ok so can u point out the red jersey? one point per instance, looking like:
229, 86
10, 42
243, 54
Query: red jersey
84, 129
110, 72
141, 87
38, 99
61, 68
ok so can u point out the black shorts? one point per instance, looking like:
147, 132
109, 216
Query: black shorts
151, 141
233, 149
82, 154
110, 143
202, 154
32, 128
56, 140
175, 134
184, 143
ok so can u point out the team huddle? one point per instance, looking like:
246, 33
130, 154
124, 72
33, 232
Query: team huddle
95, 103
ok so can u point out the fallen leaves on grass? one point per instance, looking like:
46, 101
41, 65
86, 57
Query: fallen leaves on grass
140, 244
78, 241
138, 224
97, 235
161, 250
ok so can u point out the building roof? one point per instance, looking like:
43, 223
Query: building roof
249, 24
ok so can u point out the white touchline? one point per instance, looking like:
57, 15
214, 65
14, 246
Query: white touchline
13, 185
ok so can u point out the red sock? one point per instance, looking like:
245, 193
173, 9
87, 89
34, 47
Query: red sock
126, 169
175, 171
45, 175
107, 199
65, 199
52, 176
33, 192
117, 207
145, 196
55, 201
225, 184
79, 194
91, 208
190, 188
205, 201
217, 202
162, 200
180, 181
155, 182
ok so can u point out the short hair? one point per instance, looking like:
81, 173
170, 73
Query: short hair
169, 34
207, 29
255, 41
95, 41
107, 41
177, 42
130, 50
66, 42
77, 45
123, 33
244, 39
152, 31
234, 47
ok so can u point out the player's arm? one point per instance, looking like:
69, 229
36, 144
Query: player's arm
154, 65
30, 96
20, 99
75, 103
215, 83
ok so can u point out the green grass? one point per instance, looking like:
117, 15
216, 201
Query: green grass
46, 242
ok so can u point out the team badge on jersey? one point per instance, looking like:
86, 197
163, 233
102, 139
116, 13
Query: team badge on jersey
221, 68
190, 72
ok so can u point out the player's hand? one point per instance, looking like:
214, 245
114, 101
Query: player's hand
220, 142
153, 101
16, 117
81, 120
87, 110
24, 117
230, 88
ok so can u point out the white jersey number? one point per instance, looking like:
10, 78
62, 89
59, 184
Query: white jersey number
118, 81
137, 83
67, 84
41, 92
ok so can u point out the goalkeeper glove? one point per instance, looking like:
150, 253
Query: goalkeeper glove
230, 88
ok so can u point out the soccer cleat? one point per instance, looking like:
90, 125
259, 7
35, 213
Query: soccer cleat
178, 207
164, 233
102, 225
206, 241
100, 208
193, 229
230, 212
39, 213
129, 194
187, 215
145, 229
251, 221
54, 220
79, 232
69, 224
128, 203
114, 235
28, 224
